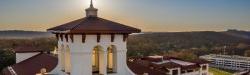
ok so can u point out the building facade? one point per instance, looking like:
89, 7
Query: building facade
232, 62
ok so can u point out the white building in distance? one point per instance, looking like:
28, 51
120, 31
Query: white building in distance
232, 62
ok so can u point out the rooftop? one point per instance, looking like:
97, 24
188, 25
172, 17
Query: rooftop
89, 25
161, 64
33, 65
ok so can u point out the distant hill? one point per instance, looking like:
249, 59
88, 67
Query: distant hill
187, 40
18, 34
164, 41
238, 33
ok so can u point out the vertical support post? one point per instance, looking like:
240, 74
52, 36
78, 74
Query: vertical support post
170, 72
179, 71
200, 70
61, 57
103, 62
67, 60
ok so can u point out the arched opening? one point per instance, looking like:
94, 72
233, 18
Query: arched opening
96, 59
67, 60
111, 59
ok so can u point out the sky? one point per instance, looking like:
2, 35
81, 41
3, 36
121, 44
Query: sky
148, 15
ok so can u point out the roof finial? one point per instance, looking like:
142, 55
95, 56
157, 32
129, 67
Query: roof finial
91, 3
91, 11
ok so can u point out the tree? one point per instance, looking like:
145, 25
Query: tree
7, 57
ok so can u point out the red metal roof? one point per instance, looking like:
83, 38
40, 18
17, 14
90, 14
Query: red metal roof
34, 64
94, 25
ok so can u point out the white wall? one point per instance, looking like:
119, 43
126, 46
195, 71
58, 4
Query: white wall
23, 56
81, 54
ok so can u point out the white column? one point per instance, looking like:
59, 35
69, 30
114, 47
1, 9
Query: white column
63, 58
115, 60
60, 57
179, 71
103, 62
67, 60
207, 66
170, 71
200, 70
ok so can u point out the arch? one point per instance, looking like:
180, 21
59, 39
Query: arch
96, 56
67, 60
111, 59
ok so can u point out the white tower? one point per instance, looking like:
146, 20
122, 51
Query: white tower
93, 46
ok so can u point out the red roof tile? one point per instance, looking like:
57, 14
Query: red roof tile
34, 64
91, 25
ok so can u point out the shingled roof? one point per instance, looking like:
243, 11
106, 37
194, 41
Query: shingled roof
33, 65
93, 25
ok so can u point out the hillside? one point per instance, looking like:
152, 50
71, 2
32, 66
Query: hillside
167, 40
18, 34
242, 34
158, 42
204, 40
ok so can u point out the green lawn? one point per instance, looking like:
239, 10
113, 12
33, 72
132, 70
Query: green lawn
218, 72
